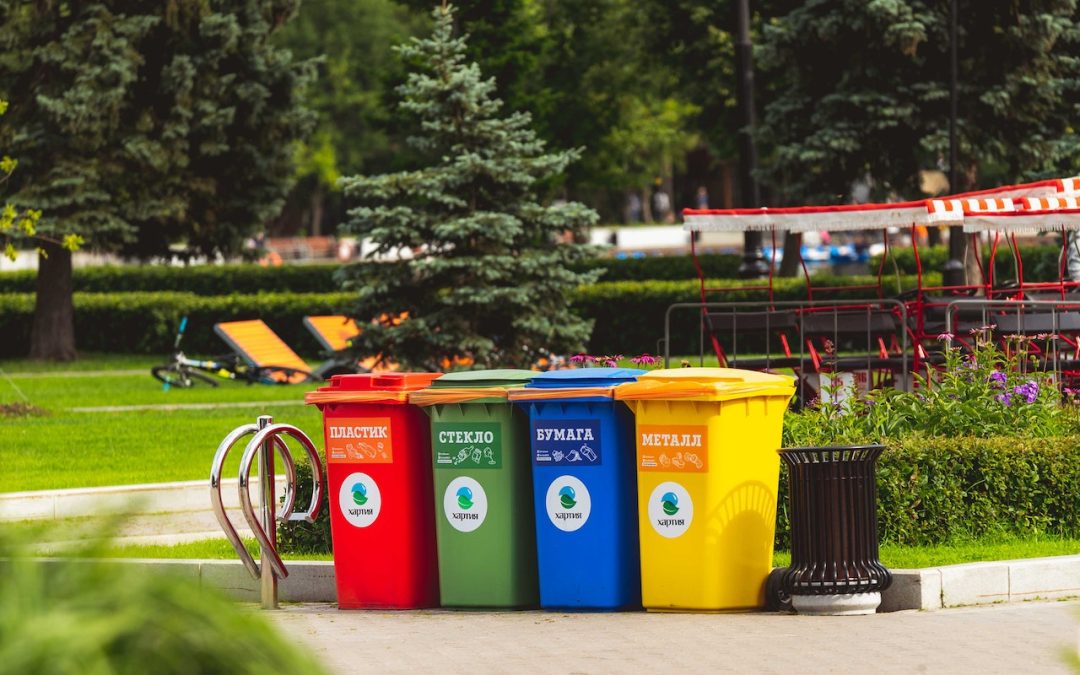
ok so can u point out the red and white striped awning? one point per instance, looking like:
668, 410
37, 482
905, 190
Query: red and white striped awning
976, 211
1025, 221
1051, 203
808, 218
955, 211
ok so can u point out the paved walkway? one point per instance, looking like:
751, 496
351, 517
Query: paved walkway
1020, 638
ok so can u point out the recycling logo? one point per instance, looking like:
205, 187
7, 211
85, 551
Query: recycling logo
360, 500
568, 503
671, 510
465, 504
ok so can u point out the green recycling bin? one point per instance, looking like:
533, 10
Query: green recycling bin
484, 524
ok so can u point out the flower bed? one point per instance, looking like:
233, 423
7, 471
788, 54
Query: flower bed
983, 446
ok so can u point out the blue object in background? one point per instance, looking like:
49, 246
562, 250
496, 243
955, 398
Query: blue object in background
585, 491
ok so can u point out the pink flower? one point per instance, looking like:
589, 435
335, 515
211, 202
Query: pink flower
945, 337
645, 360
580, 358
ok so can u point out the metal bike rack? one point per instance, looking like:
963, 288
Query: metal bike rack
267, 438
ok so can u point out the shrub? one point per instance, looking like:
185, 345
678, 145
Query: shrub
296, 536
628, 315
197, 279
1040, 261
145, 323
667, 267
935, 490
983, 393
85, 615
979, 448
319, 278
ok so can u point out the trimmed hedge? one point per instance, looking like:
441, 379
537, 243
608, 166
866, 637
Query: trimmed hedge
667, 267
197, 279
930, 491
1040, 262
319, 278
933, 490
628, 315
145, 323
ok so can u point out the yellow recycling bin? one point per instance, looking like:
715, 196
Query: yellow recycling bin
707, 471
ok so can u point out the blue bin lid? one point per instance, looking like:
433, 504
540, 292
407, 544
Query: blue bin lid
585, 377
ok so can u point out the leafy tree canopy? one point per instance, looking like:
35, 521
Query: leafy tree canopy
862, 89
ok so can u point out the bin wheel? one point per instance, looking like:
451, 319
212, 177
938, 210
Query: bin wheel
776, 599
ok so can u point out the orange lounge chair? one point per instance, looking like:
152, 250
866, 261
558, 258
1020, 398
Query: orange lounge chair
261, 347
335, 332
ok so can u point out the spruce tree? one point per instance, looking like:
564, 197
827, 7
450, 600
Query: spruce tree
482, 275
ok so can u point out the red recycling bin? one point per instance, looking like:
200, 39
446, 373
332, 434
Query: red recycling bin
382, 511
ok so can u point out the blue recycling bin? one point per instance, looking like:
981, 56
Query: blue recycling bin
585, 488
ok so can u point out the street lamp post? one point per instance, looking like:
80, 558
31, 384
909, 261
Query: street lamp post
953, 274
753, 263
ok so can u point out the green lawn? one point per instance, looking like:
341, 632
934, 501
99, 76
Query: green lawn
66, 449
87, 362
996, 548
210, 549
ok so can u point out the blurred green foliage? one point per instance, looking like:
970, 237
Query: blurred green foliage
88, 616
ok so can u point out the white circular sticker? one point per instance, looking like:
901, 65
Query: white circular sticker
670, 510
360, 499
465, 504
568, 503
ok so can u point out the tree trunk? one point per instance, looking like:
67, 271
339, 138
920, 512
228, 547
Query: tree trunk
646, 206
52, 334
789, 264
316, 211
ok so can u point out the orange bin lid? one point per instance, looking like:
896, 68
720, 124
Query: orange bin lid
371, 388
705, 384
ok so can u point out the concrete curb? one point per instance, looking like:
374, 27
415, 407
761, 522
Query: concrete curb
983, 583
308, 581
923, 589
131, 499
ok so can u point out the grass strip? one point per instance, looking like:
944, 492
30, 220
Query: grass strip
955, 553
896, 557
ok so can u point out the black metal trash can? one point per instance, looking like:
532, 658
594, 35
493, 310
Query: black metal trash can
834, 539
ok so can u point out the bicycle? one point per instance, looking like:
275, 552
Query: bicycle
183, 372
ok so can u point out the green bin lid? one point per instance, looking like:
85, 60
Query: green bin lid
480, 379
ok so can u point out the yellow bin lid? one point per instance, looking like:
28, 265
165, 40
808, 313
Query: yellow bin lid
705, 384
